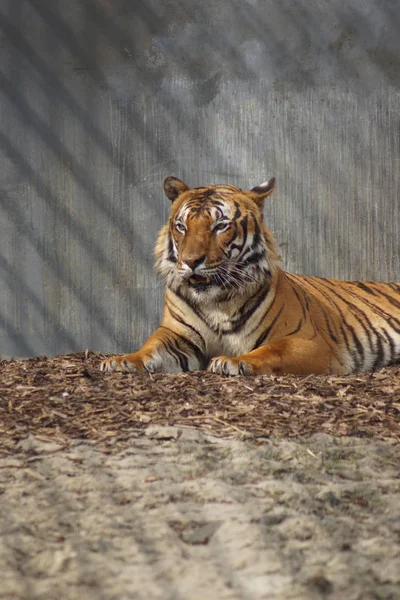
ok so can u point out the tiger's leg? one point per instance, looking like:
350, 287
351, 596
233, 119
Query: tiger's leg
288, 355
166, 350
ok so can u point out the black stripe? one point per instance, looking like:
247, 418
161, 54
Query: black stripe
328, 326
240, 311
239, 247
171, 255
290, 276
266, 333
178, 318
396, 327
170, 351
369, 328
365, 287
356, 311
359, 360
238, 212
313, 283
391, 300
378, 348
374, 307
195, 349
257, 299
257, 232
195, 309
347, 344
243, 224
296, 330
296, 293
176, 352
253, 259
380, 360
380, 354
264, 316
393, 355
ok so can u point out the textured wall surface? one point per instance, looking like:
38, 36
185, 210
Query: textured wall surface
100, 100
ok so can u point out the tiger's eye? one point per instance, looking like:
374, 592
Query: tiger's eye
221, 226
180, 227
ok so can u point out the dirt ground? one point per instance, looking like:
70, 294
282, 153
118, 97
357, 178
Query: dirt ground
193, 486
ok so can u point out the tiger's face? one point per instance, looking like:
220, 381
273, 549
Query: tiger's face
215, 245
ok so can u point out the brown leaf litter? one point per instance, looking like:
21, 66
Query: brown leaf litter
56, 399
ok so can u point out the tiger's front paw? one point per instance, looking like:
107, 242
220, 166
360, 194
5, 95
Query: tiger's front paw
126, 363
223, 365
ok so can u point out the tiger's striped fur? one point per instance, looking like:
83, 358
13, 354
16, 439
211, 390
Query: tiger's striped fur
230, 307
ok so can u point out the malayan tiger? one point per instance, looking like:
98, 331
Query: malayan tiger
231, 308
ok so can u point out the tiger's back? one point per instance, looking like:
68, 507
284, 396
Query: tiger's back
231, 308
359, 321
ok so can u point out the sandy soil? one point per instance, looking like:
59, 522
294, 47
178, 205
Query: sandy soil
182, 514
177, 513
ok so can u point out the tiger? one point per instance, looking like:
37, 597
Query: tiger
232, 309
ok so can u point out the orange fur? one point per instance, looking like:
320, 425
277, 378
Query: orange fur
229, 305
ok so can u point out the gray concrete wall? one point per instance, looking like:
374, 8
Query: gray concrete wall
101, 100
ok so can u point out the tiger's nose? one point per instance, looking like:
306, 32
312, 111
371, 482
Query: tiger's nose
194, 262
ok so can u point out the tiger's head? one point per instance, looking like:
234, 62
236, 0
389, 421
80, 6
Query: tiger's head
215, 245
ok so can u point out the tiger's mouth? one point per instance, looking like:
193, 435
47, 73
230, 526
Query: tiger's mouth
200, 280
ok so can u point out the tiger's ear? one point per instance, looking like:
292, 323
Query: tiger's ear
174, 187
260, 192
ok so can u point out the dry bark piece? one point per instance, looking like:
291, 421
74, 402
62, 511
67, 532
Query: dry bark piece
66, 397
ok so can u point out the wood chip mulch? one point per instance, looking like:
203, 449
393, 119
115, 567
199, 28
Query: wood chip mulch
67, 397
